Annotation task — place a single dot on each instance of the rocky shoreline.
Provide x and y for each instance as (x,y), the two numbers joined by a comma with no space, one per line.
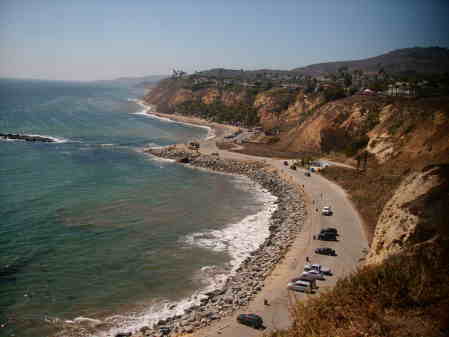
(286,222)
(28,138)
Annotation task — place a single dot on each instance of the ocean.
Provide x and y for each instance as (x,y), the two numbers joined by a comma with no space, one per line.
(93,232)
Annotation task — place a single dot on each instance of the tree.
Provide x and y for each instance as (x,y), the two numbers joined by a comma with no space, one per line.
(348,80)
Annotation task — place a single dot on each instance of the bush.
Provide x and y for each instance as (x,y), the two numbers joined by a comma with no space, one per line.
(356,145)
(334,93)
(406,295)
(218,112)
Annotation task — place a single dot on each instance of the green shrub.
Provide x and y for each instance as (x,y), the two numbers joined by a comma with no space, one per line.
(356,145)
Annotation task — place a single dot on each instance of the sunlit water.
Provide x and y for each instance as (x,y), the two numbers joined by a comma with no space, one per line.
(91,227)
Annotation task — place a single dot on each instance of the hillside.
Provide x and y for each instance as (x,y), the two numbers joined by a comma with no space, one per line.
(388,127)
(402,287)
(141,81)
(419,60)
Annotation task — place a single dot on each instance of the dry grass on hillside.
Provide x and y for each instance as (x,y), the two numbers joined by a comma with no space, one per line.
(407,295)
(369,190)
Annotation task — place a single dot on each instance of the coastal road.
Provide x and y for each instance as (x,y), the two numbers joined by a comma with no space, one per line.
(350,248)
(318,192)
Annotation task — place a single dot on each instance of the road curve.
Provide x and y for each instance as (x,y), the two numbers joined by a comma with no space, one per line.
(351,246)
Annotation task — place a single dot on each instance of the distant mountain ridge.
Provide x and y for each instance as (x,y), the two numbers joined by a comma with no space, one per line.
(417,59)
(135,81)
(422,60)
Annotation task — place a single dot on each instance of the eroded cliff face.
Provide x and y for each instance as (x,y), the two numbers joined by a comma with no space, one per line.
(331,126)
(169,94)
(283,108)
(414,215)
(388,128)
(411,130)
(276,108)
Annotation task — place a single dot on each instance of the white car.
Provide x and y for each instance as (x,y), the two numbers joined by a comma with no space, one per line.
(304,288)
(326,210)
(318,275)
(314,274)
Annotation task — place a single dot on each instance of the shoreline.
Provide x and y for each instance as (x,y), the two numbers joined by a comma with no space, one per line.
(265,273)
(247,281)
(217,130)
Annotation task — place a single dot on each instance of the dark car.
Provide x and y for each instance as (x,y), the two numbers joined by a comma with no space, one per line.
(252,320)
(164,330)
(330,230)
(325,251)
(326,236)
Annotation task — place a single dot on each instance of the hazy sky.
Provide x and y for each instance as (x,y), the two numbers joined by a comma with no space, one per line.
(89,39)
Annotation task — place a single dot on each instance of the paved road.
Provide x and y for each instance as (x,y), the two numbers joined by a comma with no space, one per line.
(350,248)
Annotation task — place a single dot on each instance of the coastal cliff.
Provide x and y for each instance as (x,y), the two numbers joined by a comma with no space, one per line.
(271,108)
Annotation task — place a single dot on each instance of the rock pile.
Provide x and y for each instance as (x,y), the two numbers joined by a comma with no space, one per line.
(249,278)
(27,138)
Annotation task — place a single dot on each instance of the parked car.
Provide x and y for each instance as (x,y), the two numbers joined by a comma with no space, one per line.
(326,236)
(164,330)
(318,274)
(305,278)
(303,287)
(330,230)
(252,320)
(325,251)
(315,275)
(326,210)
(310,266)
(307,174)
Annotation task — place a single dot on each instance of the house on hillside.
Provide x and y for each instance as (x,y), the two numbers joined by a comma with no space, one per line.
(401,89)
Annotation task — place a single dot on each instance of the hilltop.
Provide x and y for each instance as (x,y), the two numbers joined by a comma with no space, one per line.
(415,60)
(419,60)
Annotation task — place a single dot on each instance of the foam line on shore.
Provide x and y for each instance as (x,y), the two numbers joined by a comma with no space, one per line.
(239,240)
(148,111)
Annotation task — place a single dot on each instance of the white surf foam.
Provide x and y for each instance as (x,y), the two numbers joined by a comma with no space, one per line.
(147,112)
(238,240)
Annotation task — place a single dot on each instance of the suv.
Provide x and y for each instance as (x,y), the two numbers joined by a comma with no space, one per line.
(252,320)
(325,251)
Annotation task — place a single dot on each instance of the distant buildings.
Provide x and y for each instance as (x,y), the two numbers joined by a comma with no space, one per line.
(401,89)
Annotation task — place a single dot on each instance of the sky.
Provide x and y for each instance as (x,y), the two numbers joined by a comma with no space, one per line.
(106,39)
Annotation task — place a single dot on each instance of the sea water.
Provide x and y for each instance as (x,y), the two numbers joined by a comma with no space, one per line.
(93,231)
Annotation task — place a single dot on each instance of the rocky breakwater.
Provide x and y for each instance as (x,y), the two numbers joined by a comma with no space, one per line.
(27,138)
(248,279)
